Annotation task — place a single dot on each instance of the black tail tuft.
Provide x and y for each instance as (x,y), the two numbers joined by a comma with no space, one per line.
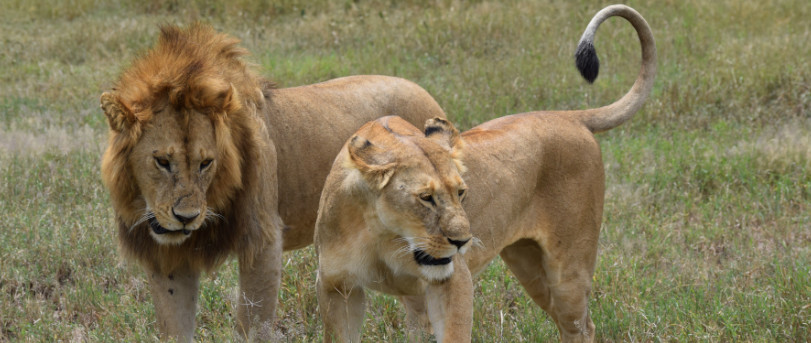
(587,61)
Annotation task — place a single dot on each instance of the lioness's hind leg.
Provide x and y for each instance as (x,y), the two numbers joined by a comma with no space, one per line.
(561,289)
(570,306)
(524,259)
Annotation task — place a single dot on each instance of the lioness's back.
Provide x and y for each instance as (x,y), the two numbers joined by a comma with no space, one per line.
(315,120)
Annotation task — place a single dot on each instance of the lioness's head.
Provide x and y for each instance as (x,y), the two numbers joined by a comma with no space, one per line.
(416,186)
(174,153)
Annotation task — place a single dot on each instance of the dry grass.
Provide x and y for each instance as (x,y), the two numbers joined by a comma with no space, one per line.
(707,229)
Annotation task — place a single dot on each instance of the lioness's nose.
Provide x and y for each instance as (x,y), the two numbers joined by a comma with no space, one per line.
(458,244)
(184,217)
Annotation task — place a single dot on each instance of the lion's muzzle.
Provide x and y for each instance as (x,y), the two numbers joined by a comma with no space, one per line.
(160,230)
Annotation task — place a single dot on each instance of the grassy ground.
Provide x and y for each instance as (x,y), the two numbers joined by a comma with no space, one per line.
(707,229)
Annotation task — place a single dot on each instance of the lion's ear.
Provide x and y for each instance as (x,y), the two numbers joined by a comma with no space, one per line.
(216,94)
(119,117)
(373,162)
(228,99)
(443,132)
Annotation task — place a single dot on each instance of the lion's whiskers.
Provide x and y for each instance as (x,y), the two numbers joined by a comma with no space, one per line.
(148,214)
(212,216)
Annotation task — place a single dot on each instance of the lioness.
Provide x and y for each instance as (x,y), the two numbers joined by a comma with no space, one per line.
(400,215)
(206,159)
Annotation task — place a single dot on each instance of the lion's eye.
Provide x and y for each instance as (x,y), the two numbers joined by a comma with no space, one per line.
(428,197)
(461,193)
(205,164)
(163,163)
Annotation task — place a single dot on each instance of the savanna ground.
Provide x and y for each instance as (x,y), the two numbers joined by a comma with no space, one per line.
(707,230)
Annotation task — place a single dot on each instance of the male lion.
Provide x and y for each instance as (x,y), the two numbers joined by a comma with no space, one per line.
(397,215)
(206,159)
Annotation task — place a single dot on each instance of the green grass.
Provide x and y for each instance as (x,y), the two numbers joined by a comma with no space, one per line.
(707,225)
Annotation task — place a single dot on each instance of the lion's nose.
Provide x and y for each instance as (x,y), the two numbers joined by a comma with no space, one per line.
(458,244)
(184,217)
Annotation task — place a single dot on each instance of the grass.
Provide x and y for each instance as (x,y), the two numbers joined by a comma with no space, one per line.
(707,223)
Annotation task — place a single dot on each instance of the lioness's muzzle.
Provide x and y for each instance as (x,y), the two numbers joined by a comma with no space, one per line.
(425,259)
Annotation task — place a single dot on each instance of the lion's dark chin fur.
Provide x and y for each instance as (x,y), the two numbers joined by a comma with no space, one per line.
(201,251)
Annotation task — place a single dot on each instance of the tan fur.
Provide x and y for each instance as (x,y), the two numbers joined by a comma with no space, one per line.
(206,160)
(392,192)
(535,197)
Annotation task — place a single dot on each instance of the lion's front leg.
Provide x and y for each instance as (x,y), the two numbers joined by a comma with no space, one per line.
(450,305)
(175,296)
(259,282)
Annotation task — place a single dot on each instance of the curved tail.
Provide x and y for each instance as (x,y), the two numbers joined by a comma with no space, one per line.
(610,116)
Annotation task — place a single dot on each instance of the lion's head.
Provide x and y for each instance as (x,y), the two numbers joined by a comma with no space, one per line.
(183,126)
(173,164)
(414,181)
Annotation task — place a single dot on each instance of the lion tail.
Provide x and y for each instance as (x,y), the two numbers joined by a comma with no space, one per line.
(610,116)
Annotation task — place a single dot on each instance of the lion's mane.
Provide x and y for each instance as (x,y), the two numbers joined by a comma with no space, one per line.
(201,70)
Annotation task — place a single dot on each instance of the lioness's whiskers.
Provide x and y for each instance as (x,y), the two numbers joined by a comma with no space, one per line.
(476,242)
(401,239)
(402,251)
(422,245)
(405,249)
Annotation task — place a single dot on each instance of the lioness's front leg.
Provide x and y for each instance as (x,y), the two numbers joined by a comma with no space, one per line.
(342,310)
(259,281)
(175,296)
(450,305)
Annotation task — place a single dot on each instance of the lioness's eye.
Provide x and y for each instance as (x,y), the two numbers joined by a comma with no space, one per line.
(461,193)
(427,197)
(205,164)
(163,163)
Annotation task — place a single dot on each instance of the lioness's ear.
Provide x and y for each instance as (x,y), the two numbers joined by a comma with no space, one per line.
(119,117)
(372,161)
(443,132)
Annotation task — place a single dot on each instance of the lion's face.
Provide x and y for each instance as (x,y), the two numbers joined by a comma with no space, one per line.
(174,164)
(420,192)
